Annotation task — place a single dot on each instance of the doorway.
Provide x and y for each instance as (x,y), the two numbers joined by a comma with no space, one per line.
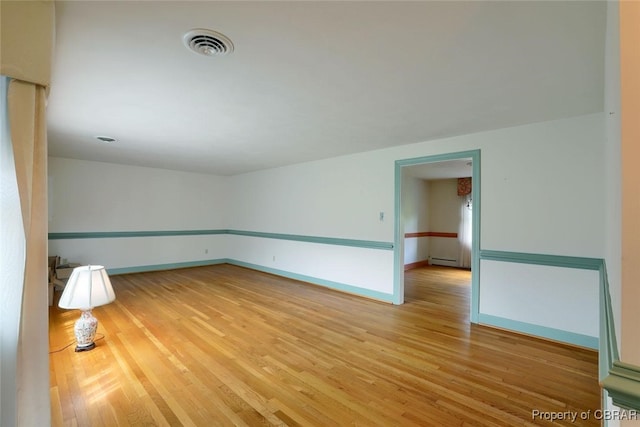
(443,165)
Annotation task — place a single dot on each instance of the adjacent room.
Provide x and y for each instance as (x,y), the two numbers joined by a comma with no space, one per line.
(316,213)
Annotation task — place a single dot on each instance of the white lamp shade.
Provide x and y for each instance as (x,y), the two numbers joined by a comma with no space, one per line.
(89,286)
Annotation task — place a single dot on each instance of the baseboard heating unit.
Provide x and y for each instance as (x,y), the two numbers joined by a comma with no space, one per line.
(443,261)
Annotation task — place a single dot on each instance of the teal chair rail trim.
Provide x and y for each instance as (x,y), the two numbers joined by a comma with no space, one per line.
(367,244)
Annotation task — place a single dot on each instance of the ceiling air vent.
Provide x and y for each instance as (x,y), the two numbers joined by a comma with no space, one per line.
(208,42)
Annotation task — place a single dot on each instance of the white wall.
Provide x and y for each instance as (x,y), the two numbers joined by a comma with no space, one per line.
(552,297)
(542,192)
(101,197)
(415,211)
(444,206)
(613,166)
(358,270)
(93,196)
(136,252)
(444,217)
(339,197)
(548,197)
(541,184)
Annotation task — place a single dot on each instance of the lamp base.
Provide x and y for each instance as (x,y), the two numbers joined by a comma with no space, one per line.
(85,347)
(85,330)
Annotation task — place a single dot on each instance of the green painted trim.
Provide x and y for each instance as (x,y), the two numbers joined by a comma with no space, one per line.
(120,234)
(609,346)
(169,266)
(541,331)
(398,236)
(540,259)
(316,281)
(475,243)
(398,263)
(434,158)
(367,244)
(620,380)
(583,263)
(623,385)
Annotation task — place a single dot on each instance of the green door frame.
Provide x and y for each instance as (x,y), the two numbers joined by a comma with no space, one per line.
(398,261)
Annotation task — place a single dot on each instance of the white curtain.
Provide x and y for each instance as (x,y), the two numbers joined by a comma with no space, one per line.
(24,345)
(26,43)
(29,142)
(465,231)
(12,257)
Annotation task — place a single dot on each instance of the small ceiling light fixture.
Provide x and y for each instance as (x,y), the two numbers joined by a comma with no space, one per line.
(207,42)
(105,139)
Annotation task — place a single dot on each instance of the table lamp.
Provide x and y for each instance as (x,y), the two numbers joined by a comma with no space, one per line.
(88,287)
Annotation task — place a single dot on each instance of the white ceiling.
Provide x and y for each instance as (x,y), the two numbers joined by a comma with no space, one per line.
(312,80)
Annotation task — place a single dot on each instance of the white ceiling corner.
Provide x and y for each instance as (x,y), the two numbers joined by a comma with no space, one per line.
(311,80)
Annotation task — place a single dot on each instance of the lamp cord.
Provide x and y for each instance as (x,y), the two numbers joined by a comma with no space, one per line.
(73,342)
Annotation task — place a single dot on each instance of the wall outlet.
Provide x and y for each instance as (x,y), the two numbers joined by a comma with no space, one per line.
(274,258)
(381,216)
(206,251)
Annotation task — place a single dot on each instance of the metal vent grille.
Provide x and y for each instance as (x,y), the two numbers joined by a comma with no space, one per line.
(208,42)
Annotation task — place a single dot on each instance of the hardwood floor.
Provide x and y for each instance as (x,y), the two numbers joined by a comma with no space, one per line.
(223,345)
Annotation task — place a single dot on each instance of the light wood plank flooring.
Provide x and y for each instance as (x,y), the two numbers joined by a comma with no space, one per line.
(223,345)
